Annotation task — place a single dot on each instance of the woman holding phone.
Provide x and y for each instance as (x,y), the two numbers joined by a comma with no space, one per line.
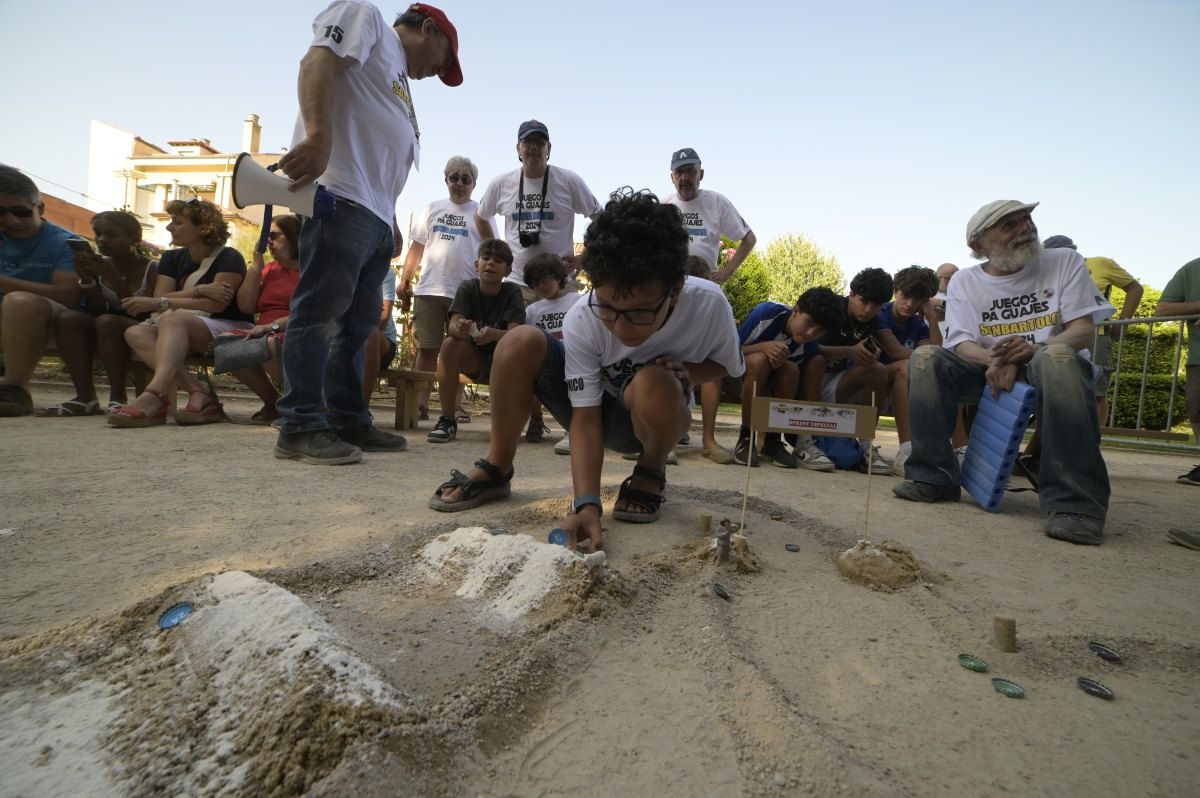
(192,302)
(121,270)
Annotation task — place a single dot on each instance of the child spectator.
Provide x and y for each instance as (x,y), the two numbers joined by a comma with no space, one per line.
(623,373)
(483,311)
(854,374)
(780,346)
(547,275)
(904,324)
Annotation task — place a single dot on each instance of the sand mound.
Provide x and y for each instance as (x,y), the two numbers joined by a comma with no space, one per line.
(252,694)
(885,567)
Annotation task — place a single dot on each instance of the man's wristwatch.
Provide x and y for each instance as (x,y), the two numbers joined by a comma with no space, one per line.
(164,303)
(584,500)
(275,328)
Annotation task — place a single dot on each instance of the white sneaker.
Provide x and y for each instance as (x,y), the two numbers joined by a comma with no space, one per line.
(901,458)
(563,446)
(879,463)
(812,458)
(960,453)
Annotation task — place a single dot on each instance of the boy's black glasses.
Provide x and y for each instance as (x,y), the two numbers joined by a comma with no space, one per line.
(638,316)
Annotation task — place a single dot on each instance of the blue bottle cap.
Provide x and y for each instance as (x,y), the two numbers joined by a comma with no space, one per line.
(174,616)
(558,536)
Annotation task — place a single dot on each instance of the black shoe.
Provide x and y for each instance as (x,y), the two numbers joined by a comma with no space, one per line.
(743,450)
(926,492)
(1190,478)
(15,401)
(444,431)
(372,439)
(1086,530)
(322,447)
(775,452)
(537,430)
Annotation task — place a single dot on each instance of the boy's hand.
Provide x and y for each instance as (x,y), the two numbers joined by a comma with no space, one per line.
(583,530)
(775,351)
(862,354)
(928,311)
(680,371)
(460,328)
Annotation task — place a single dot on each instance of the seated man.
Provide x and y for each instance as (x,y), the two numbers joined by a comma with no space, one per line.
(905,323)
(37,282)
(484,310)
(621,377)
(853,373)
(780,346)
(1025,314)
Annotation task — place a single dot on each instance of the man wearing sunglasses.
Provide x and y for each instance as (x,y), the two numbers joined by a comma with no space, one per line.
(357,134)
(538,203)
(37,282)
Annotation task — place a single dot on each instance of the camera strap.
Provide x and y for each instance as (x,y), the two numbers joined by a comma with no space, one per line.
(521,196)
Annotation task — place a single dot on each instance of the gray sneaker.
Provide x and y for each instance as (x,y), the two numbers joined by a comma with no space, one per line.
(1086,530)
(372,439)
(1184,537)
(322,447)
(926,492)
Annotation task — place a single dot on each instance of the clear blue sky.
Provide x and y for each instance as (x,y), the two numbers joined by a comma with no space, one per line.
(875,128)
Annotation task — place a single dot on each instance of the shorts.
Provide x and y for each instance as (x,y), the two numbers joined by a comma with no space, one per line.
(829,386)
(1102,359)
(551,389)
(430,316)
(388,355)
(218,326)
(484,374)
(1193,395)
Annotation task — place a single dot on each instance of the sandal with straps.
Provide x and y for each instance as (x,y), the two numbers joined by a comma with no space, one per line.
(643,499)
(71,408)
(475,492)
(131,416)
(209,414)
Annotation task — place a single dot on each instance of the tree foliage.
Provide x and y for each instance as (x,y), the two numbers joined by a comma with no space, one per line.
(795,264)
(750,285)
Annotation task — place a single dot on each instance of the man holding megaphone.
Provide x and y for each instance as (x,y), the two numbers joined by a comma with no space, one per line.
(357,134)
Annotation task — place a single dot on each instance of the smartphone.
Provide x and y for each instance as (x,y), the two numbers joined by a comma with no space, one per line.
(80,246)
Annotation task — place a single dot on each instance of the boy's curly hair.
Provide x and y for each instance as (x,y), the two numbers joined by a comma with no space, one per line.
(916,282)
(545,265)
(873,285)
(636,240)
(214,230)
(827,309)
(498,249)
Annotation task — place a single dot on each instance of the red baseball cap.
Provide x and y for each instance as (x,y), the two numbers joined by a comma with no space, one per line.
(453,76)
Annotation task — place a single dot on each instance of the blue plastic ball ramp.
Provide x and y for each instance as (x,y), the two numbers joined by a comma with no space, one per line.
(995,443)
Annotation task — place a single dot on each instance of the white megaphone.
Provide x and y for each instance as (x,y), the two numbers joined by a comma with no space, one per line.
(254,184)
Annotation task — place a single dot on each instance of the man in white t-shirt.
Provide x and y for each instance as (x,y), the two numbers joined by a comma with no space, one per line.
(539,204)
(445,240)
(1025,313)
(357,135)
(707,216)
(622,376)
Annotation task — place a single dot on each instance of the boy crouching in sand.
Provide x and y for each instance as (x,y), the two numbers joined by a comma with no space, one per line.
(622,377)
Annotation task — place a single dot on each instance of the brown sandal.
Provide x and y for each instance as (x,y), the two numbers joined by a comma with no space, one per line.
(209,414)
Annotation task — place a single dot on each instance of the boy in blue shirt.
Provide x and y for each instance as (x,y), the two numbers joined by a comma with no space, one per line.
(780,347)
(903,326)
(37,282)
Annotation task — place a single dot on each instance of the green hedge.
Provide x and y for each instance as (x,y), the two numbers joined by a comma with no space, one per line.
(1154,411)
(1162,349)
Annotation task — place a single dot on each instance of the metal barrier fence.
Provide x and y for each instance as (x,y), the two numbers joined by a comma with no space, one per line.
(1158,439)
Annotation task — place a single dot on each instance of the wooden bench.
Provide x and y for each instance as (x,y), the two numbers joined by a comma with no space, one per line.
(407,383)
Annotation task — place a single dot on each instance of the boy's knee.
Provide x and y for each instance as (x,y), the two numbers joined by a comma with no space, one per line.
(521,343)
(26,306)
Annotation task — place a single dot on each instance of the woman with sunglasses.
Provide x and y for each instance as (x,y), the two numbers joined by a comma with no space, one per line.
(267,293)
(192,302)
(444,242)
(121,270)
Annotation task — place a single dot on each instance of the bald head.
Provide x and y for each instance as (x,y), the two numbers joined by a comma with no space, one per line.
(944,273)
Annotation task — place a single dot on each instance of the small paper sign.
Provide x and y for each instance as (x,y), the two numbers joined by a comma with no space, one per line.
(813,418)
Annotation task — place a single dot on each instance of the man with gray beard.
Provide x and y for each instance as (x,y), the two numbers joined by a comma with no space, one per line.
(1024,313)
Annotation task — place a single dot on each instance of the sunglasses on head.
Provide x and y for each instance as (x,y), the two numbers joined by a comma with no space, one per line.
(19,211)
(466,180)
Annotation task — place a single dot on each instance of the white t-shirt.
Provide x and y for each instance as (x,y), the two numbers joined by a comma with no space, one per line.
(451,241)
(375,132)
(566,195)
(1037,302)
(548,314)
(699,328)
(708,217)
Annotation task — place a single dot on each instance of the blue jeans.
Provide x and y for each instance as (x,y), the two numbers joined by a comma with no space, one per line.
(1073,477)
(336,306)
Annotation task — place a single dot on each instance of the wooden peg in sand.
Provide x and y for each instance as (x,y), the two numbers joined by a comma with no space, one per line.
(1004,634)
(705,523)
